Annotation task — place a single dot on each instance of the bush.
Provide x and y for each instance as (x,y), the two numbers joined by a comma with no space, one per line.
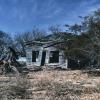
(20,90)
(17,90)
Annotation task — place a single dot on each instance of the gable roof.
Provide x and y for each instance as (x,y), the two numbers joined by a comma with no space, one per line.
(51,40)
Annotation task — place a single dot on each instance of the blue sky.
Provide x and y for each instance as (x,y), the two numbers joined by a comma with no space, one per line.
(23,15)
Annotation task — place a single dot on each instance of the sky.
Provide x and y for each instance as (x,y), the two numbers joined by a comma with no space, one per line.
(24,15)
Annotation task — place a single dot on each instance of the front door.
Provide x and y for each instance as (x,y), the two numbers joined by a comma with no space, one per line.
(43,58)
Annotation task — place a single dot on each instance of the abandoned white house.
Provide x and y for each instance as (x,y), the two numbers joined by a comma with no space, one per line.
(45,54)
(52,51)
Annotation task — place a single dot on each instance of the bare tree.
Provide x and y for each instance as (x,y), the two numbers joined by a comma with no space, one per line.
(20,38)
(5,41)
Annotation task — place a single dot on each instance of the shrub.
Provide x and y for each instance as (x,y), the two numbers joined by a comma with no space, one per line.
(20,90)
(17,90)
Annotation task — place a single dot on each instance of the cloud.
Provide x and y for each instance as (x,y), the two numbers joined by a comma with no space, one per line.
(53,13)
(17,14)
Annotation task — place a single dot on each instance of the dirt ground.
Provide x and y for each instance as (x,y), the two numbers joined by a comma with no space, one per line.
(61,84)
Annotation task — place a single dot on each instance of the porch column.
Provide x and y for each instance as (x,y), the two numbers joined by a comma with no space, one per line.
(47,57)
(40,57)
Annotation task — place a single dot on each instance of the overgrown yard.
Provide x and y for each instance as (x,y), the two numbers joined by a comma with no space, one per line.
(65,85)
(56,85)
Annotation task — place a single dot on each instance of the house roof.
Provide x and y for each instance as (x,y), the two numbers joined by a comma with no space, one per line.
(51,40)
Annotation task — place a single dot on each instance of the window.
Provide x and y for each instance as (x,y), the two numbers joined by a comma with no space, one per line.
(54,57)
(34,55)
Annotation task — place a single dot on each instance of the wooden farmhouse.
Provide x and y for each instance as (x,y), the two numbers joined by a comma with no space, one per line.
(45,53)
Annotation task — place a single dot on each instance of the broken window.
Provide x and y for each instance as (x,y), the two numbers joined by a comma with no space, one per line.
(34,55)
(54,57)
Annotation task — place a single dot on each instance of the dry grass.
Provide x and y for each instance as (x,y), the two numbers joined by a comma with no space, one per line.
(11,89)
(64,85)
(57,85)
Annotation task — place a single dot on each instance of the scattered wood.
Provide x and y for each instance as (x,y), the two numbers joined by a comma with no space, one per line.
(9,57)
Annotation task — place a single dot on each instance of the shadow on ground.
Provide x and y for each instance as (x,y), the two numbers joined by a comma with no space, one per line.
(93,72)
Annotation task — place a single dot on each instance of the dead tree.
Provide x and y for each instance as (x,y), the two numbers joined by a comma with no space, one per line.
(8,58)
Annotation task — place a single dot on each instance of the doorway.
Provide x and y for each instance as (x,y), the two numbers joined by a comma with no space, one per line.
(54,57)
(43,58)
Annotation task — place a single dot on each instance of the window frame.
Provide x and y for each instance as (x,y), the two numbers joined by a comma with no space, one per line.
(54,56)
(36,54)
